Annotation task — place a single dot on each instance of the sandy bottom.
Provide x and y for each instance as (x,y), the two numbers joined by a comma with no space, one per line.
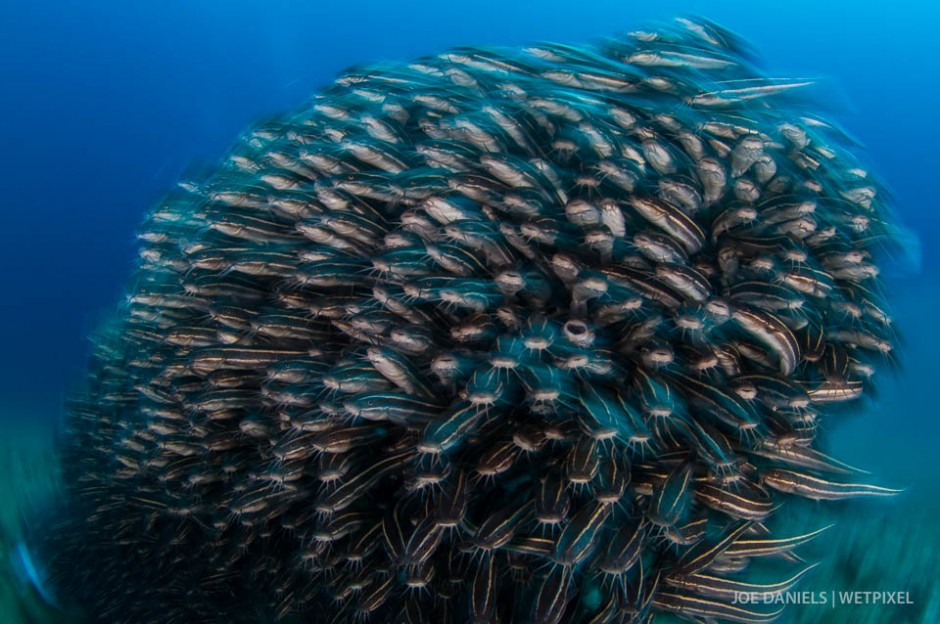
(28,483)
(875,546)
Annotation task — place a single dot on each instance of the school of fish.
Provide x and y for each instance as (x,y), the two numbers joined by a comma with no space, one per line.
(540,335)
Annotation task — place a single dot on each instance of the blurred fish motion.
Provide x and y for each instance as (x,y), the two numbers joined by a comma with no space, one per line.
(540,335)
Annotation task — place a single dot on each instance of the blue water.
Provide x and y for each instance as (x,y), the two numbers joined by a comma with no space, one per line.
(104,105)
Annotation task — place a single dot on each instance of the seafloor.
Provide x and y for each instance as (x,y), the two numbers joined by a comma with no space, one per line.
(873,545)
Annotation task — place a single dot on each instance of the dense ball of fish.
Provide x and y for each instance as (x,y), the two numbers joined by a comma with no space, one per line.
(493,336)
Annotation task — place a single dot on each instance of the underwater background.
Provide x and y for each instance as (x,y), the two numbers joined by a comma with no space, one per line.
(106,105)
